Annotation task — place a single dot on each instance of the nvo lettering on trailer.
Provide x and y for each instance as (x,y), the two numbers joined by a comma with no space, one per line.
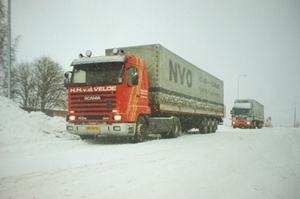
(185,75)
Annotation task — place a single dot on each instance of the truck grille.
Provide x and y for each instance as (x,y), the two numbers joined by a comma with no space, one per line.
(96,102)
(241,118)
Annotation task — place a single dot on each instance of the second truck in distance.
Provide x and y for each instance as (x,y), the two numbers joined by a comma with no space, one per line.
(247,113)
(140,90)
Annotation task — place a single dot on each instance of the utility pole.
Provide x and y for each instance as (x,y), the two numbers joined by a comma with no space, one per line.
(9,54)
(295,116)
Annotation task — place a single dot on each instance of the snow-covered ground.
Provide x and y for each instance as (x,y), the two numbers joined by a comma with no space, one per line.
(40,160)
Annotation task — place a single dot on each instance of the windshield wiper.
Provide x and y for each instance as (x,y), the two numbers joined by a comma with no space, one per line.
(121,71)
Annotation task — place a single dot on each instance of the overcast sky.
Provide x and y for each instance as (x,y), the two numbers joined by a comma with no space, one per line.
(258,38)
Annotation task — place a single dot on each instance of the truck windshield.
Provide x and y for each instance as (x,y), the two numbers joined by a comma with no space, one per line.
(240,111)
(241,108)
(98,74)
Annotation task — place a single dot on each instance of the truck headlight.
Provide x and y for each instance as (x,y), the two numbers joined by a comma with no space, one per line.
(117,117)
(72,117)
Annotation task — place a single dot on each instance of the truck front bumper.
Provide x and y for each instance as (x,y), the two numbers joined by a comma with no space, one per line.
(102,129)
(241,124)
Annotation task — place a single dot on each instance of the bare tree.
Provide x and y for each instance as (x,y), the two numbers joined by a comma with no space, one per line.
(25,86)
(39,85)
(49,83)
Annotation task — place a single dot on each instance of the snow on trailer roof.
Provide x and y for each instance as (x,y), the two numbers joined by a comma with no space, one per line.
(242,106)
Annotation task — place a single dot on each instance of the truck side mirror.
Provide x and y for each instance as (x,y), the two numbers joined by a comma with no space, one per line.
(66,82)
(67,74)
(67,79)
(132,76)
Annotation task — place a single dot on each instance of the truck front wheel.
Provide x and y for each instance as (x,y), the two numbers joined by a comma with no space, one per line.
(141,130)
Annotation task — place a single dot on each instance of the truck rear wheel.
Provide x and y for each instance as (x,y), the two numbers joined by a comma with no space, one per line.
(175,131)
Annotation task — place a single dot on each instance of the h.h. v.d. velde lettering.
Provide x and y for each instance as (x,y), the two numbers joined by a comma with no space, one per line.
(92,89)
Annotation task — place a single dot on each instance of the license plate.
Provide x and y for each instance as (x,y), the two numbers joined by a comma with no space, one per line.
(92,128)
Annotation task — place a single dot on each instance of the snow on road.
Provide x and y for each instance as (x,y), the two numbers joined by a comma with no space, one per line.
(40,160)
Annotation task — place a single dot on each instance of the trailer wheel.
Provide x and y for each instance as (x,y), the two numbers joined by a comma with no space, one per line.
(203,126)
(215,125)
(141,130)
(209,125)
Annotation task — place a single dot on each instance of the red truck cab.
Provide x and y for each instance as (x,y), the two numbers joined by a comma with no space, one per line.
(106,95)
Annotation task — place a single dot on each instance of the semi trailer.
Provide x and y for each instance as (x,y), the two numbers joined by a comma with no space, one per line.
(247,113)
(140,90)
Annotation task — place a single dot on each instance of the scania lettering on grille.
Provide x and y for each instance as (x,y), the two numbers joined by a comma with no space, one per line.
(93,89)
(91,98)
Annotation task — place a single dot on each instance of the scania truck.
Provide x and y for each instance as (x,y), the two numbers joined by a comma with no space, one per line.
(140,90)
(247,113)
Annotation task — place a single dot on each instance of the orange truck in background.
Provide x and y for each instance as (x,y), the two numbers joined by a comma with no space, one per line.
(141,90)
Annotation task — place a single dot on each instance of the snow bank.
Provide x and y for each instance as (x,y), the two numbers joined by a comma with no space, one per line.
(231,163)
(18,126)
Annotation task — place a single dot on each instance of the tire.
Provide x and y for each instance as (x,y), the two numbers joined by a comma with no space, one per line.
(215,125)
(209,125)
(203,126)
(140,130)
(176,131)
